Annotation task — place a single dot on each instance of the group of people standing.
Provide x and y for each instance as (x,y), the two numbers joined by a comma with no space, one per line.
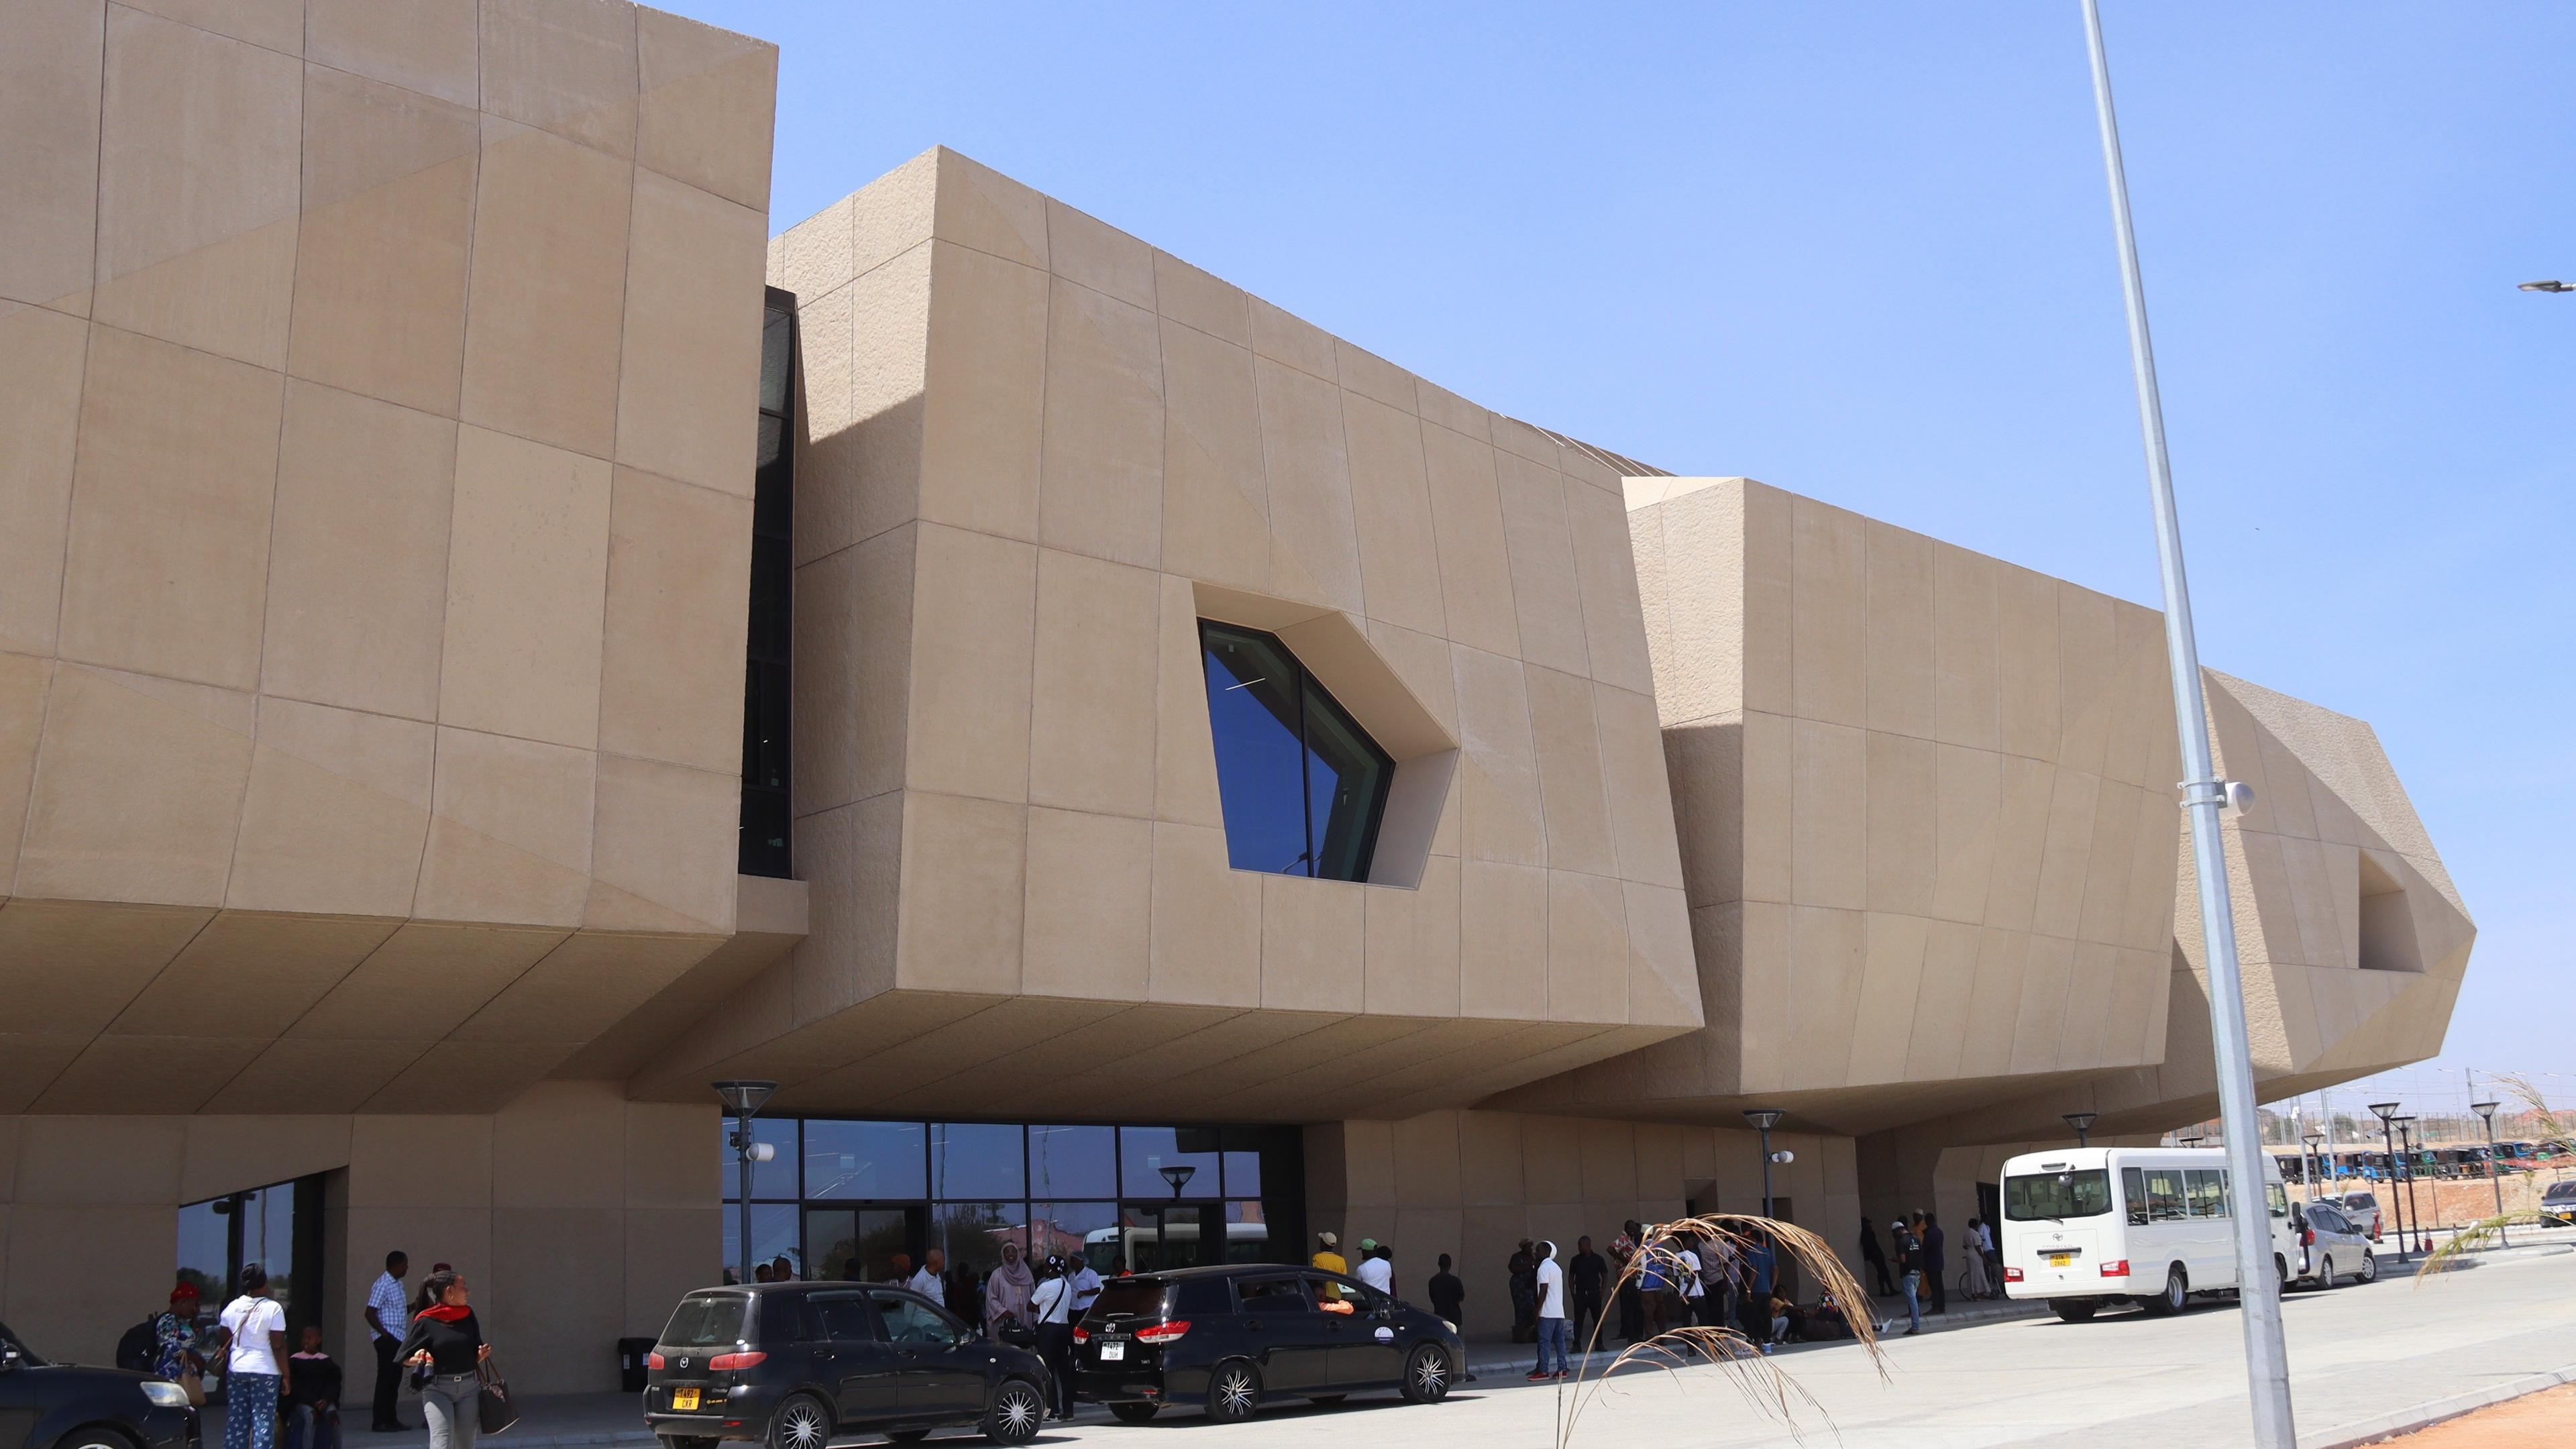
(1919,1245)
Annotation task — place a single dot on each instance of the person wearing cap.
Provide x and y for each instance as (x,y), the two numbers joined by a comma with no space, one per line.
(1377,1265)
(1909,1270)
(1328,1256)
(1051,1313)
(174,1343)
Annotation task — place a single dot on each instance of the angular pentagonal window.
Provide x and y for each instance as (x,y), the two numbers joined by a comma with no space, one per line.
(1302,784)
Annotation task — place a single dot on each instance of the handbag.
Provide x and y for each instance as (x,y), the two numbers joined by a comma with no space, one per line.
(493,1408)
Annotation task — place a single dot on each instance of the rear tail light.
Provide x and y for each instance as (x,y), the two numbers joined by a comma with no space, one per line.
(653,1360)
(1081,1336)
(2012,1275)
(1163,1332)
(2307,1237)
(2116,1268)
(724,1361)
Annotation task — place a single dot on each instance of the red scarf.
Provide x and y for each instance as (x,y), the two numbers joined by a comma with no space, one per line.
(445,1312)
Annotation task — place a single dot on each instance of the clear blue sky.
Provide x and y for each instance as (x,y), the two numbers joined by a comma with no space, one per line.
(1862,252)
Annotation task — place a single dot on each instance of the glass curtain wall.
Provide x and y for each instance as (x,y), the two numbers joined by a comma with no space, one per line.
(864,1200)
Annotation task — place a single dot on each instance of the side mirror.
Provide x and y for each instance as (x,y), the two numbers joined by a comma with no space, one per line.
(11,1357)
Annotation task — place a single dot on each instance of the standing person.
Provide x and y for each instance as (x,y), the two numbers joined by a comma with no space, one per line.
(1985,1235)
(1761,1276)
(1523,1273)
(1086,1286)
(1449,1296)
(1875,1257)
(1632,1304)
(1378,1269)
(446,1340)
(927,1282)
(174,1343)
(1006,1293)
(1936,1260)
(255,1366)
(1051,1305)
(1978,1286)
(1548,1280)
(386,1323)
(1328,1254)
(312,1395)
(1908,1272)
(1590,1271)
(1719,1268)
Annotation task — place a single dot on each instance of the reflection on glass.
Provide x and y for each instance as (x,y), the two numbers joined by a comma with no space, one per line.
(976,1159)
(1168,1162)
(205,1252)
(774,1178)
(864,1160)
(1068,1229)
(1302,786)
(1070,1162)
(1247,1232)
(1154,1236)
(777,354)
(773,1231)
(872,1245)
(268,1239)
(972,1233)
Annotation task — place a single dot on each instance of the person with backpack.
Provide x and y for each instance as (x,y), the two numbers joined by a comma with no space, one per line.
(165,1345)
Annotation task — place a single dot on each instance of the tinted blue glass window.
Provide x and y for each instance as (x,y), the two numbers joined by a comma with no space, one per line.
(1302,785)
(977,1160)
(1073,1162)
(774,1178)
(864,1160)
(1144,1154)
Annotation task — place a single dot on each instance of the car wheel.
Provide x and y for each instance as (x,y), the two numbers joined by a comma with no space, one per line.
(2075,1310)
(1234,1393)
(2325,1271)
(1426,1375)
(96,1436)
(1132,1411)
(1016,1414)
(800,1423)
(2177,1292)
(2369,1268)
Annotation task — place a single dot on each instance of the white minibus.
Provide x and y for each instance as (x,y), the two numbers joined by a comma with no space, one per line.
(2089,1226)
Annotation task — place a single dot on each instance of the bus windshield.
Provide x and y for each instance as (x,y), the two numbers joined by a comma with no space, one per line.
(2040,1196)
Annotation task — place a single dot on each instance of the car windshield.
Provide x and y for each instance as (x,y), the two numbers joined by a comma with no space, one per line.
(2560,1191)
(706,1322)
(1129,1298)
(2041,1195)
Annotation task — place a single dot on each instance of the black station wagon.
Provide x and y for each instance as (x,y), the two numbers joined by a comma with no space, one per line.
(793,1364)
(1228,1338)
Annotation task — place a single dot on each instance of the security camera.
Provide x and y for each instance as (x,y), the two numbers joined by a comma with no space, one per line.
(1784,1157)
(761,1151)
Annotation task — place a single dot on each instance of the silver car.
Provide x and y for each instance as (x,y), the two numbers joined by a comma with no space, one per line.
(2331,1247)
(2361,1209)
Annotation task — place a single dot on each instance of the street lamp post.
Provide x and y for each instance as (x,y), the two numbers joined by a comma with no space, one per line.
(2082,1122)
(1763,1120)
(2267,1360)
(2316,1162)
(2406,1171)
(744,1099)
(2486,1112)
(2386,1112)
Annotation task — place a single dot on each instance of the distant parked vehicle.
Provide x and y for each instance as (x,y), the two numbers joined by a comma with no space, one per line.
(2330,1247)
(2362,1209)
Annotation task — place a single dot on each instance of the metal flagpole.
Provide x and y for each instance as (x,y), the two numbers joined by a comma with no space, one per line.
(2267,1364)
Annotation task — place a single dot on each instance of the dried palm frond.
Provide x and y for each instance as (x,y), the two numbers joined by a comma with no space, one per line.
(2555,1134)
(1754,1375)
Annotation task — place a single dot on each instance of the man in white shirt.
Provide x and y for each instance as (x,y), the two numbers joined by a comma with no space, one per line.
(1378,1269)
(928,1282)
(254,1364)
(1051,1308)
(388,1320)
(1551,1313)
(1086,1287)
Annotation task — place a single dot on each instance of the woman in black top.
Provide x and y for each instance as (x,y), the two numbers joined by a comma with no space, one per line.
(447,1344)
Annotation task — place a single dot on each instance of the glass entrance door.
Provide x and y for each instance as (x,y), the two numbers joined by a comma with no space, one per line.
(861,1245)
(279,1227)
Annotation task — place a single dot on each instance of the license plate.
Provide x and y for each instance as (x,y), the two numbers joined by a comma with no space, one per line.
(683,1400)
(2060,1260)
(1113,1352)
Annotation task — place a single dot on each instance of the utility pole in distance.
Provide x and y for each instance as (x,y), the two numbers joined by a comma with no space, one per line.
(2267,1360)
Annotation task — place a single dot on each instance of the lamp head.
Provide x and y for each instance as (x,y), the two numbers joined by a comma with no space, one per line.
(1764,1118)
(2486,1110)
(2384,1110)
(2082,1121)
(1179,1174)
(744,1097)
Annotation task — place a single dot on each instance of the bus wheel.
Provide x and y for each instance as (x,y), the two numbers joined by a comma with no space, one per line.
(2177,1289)
(2075,1310)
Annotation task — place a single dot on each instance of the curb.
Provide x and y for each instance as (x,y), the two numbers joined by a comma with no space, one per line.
(2424,1416)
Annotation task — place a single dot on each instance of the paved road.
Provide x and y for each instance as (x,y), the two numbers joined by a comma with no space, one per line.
(2356,1355)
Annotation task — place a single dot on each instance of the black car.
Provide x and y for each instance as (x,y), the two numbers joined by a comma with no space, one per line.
(1231,1337)
(73,1406)
(793,1364)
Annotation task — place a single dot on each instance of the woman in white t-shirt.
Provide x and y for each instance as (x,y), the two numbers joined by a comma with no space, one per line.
(254,1364)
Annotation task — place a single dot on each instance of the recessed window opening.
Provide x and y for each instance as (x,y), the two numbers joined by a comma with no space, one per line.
(765,813)
(1303,787)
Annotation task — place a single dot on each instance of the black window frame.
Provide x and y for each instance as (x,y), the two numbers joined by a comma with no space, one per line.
(1308,690)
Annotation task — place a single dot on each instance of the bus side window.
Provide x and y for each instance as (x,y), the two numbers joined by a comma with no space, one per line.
(2164,1194)
(2133,1186)
(2206,1192)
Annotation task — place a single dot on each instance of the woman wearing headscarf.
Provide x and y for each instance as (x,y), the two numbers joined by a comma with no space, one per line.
(446,1340)
(1006,1293)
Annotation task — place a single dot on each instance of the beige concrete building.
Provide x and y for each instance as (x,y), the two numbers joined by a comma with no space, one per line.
(1148,778)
